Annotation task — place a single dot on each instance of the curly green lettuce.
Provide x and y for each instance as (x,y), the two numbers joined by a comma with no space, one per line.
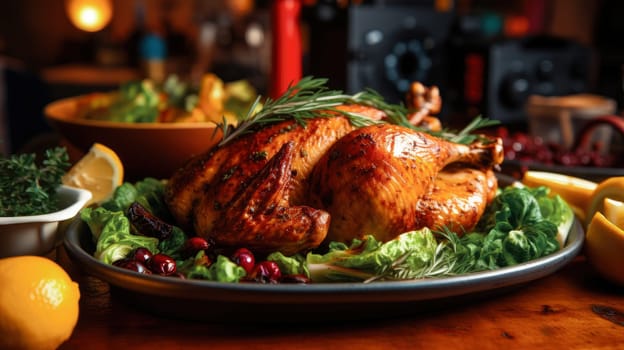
(111,232)
(521,224)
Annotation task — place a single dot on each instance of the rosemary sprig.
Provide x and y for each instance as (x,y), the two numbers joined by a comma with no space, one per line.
(466,135)
(441,264)
(452,257)
(311,98)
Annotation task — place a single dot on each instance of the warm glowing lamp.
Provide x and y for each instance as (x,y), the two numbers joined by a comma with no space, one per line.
(89,15)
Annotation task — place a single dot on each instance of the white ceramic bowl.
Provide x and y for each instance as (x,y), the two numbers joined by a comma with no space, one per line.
(39,234)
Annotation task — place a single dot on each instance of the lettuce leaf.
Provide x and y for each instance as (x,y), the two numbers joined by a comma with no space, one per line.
(408,256)
(555,210)
(520,224)
(221,270)
(173,245)
(111,232)
(147,192)
(516,229)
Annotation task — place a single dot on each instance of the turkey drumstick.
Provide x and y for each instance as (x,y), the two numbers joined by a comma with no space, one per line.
(371,180)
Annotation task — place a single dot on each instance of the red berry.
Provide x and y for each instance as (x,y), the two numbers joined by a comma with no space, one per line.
(266,272)
(193,245)
(245,259)
(162,264)
(131,264)
(142,255)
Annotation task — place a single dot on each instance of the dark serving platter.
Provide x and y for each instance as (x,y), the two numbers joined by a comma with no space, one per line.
(195,299)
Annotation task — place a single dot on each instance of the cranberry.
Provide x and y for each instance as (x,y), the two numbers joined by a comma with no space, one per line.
(193,245)
(142,255)
(518,146)
(245,259)
(266,272)
(569,159)
(544,156)
(131,264)
(584,158)
(602,160)
(162,264)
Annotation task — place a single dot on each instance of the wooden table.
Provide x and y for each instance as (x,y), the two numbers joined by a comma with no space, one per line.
(551,313)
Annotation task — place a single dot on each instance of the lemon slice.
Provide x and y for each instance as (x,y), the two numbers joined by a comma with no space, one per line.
(575,191)
(612,188)
(614,211)
(604,244)
(100,171)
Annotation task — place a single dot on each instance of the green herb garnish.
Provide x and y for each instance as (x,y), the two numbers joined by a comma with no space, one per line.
(522,224)
(311,98)
(29,188)
(466,136)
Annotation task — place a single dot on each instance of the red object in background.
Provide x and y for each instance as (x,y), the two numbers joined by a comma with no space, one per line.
(516,26)
(536,13)
(473,78)
(287,52)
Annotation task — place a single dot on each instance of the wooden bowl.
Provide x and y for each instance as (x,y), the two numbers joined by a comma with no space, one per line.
(145,149)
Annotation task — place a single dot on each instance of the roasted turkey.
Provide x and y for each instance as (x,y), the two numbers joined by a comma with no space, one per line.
(253,192)
(387,179)
(290,187)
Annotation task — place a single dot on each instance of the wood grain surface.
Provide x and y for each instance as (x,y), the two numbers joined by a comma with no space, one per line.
(570,309)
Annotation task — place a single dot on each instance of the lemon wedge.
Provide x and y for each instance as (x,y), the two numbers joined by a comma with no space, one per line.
(612,188)
(601,207)
(99,171)
(614,211)
(604,248)
(575,191)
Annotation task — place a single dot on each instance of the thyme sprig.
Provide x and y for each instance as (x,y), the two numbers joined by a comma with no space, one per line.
(28,187)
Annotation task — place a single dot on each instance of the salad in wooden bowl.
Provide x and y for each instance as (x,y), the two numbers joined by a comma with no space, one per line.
(153,128)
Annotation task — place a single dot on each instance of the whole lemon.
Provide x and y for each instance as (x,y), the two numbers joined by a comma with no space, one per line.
(38,303)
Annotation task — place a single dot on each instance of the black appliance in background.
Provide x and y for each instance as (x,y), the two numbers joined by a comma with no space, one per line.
(495,79)
(607,40)
(381,45)
(385,45)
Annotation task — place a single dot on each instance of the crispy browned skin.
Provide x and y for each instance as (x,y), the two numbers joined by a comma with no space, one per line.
(262,216)
(288,188)
(201,194)
(457,199)
(372,179)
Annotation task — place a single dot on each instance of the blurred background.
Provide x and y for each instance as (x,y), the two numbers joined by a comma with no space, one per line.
(487,57)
